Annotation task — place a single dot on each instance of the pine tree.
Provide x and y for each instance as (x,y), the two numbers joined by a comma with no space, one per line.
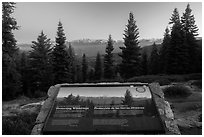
(98,67)
(164,51)
(91,74)
(128,98)
(79,73)
(10,76)
(76,100)
(188,23)
(84,68)
(190,32)
(72,66)
(154,60)
(40,63)
(8,25)
(130,65)
(177,52)
(69,99)
(108,60)
(24,71)
(144,63)
(112,102)
(60,58)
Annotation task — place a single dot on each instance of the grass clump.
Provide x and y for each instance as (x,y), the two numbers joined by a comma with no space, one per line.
(176,91)
(165,79)
(197,83)
(21,124)
(162,80)
(200,118)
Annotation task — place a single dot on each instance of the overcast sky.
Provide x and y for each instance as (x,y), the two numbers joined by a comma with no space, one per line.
(96,20)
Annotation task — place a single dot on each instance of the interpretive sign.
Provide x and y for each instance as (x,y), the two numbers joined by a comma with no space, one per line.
(104,109)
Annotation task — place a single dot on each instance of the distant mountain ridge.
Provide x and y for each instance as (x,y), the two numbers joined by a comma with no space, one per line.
(90,47)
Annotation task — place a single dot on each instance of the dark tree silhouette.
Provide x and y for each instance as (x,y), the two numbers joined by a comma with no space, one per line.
(98,67)
(190,31)
(128,98)
(91,74)
(60,58)
(24,71)
(72,63)
(69,100)
(164,51)
(154,60)
(108,60)
(79,73)
(84,68)
(177,52)
(8,25)
(40,64)
(130,65)
(10,75)
(112,103)
(144,64)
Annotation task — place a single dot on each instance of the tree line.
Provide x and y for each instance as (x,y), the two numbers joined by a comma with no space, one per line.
(179,52)
(32,73)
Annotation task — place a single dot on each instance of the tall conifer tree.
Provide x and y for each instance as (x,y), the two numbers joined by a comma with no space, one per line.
(8,25)
(72,66)
(164,50)
(144,63)
(177,54)
(91,74)
(79,73)
(130,65)
(60,58)
(108,60)
(190,32)
(84,68)
(24,70)
(10,75)
(40,63)
(154,60)
(98,67)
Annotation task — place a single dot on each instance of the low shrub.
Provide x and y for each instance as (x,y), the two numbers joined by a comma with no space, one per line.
(195,76)
(175,78)
(165,79)
(176,91)
(117,79)
(39,94)
(200,118)
(162,80)
(197,83)
(190,106)
(21,124)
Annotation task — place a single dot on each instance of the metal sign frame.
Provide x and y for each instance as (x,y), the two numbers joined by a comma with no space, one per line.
(160,130)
